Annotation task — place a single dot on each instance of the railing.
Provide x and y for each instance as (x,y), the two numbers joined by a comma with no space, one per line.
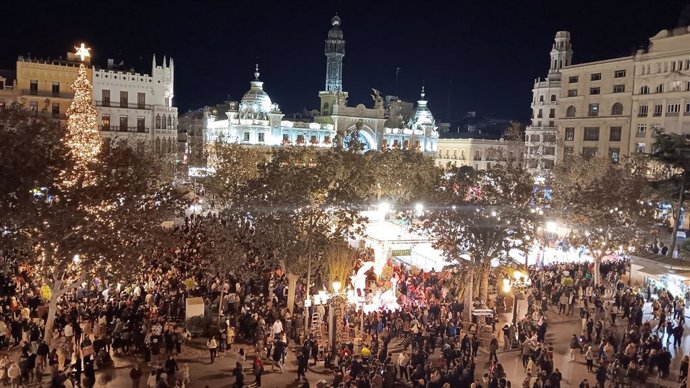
(118,104)
(671,114)
(46,93)
(111,128)
(642,114)
(641,134)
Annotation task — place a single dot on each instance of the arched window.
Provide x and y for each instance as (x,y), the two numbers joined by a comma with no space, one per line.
(541,98)
(617,109)
(325,106)
(158,121)
(164,123)
(644,90)
(570,112)
(170,122)
(553,98)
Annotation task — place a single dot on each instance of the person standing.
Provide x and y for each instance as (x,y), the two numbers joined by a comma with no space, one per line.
(239,375)
(258,370)
(493,348)
(135,375)
(574,344)
(212,345)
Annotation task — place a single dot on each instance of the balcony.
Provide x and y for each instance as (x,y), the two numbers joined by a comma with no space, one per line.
(641,134)
(124,129)
(671,114)
(46,93)
(117,104)
(642,114)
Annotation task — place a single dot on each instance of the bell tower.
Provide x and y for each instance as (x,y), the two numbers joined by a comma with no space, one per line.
(335,51)
(561,53)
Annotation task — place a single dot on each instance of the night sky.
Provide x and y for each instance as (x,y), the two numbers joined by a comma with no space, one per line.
(492,50)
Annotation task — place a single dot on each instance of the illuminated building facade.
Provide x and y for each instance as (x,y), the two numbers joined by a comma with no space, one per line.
(137,109)
(8,88)
(257,120)
(541,135)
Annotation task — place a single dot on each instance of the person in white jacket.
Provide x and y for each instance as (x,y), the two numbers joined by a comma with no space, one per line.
(14,374)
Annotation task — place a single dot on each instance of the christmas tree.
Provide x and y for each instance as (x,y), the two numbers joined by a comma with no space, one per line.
(82,138)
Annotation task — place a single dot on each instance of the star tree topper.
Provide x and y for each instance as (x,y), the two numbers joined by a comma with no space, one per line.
(82,52)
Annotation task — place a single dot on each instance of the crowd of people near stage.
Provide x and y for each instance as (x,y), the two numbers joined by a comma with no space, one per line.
(425,343)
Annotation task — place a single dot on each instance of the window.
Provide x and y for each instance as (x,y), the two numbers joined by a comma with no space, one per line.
(618,88)
(55,110)
(615,134)
(548,164)
(124,97)
(170,126)
(619,74)
(553,98)
(33,87)
(589,152)
(593,109)
(327,140)
(105,122)
(33,106)
(141,100)
(286,138)
(617,109)
(313,140)
(569,134)
(659,88)
(688,87)
(568,151)
(158,121)
(164,123)
(141,124)
(639,148)
(573,79)
(570,112)
(591,134)
(572,92)
(672,109)
(477,156)
(658,109)
(300,139)
(541,98)
(595,77)
(245,136)
(551,124)
(535,138)
(643,111)
(550,151)
(552,113)
(56,89)
(687,109)
(262,137)
(614,154)
(540,115)
(105,97)
(644,90)
(124,123)
(594,91)
(549,138)
(641,130)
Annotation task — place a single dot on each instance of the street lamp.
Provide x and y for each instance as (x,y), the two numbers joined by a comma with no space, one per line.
(419,209)
(516,286)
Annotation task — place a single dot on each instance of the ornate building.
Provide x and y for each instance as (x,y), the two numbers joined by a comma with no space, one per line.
(541,135)
(256,120)
(137,109)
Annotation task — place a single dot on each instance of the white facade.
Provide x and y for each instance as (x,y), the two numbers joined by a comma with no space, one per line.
(137,109)
(257,120)
(661,91)
(541,135)
(479,154)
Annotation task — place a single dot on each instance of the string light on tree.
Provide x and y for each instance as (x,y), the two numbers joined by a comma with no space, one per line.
(82,138)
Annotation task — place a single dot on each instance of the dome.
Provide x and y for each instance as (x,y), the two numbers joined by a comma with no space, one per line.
(422,115)
(255,103)
(335,32)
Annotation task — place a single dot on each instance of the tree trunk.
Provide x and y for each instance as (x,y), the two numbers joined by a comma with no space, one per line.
(55,294)
(681,199)
(292,287)
(595,271)
(220,304)
(484,282)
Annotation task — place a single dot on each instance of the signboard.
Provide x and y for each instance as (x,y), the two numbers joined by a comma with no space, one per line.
(195,307)
(401,252)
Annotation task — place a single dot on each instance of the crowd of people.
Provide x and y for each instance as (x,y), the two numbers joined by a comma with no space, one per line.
(424,343)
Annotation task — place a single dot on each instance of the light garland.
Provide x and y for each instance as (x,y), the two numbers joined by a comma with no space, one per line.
(82,138)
